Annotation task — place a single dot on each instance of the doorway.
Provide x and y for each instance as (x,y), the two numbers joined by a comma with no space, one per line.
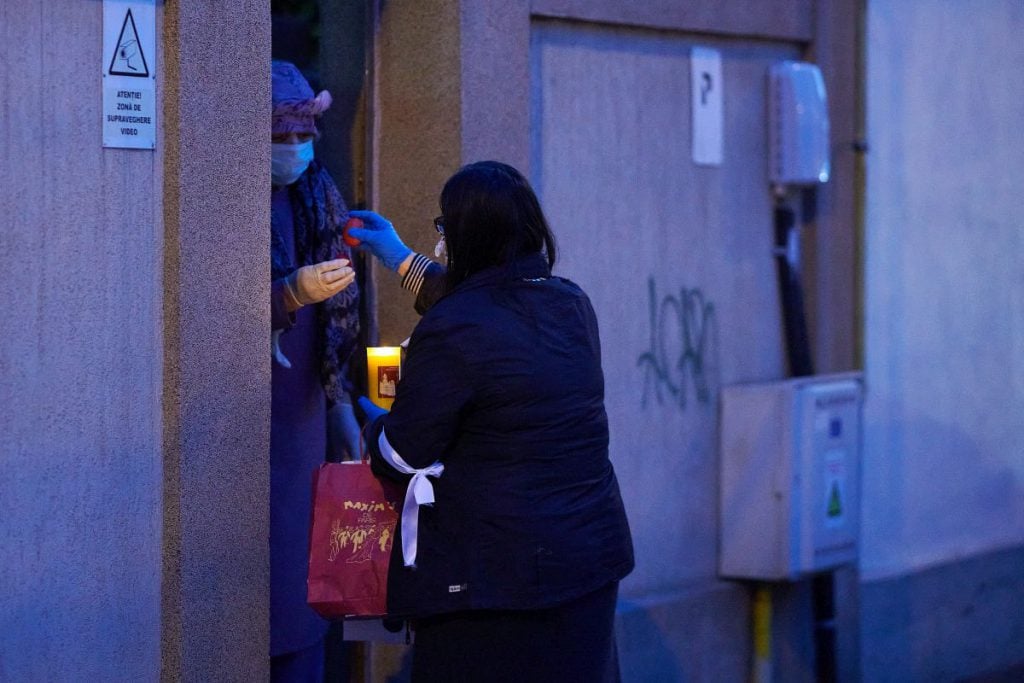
(330,42)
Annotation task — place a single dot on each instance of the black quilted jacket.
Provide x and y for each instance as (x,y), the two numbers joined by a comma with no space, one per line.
(502,383)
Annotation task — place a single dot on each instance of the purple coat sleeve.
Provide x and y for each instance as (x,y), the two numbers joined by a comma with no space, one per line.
(280,318)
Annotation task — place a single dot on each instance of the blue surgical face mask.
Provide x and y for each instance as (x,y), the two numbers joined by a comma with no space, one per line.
(289,161)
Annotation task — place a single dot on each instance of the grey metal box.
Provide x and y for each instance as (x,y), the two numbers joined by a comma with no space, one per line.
(789,501)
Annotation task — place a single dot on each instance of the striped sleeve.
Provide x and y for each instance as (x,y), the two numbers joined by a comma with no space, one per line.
(413,278)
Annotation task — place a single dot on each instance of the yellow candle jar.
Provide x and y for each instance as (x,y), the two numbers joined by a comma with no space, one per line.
(383,370)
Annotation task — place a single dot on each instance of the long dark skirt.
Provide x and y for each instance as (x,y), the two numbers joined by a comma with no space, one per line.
(570,642)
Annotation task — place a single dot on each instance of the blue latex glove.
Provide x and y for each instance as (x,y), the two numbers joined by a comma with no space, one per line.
(372,410)
(380,238)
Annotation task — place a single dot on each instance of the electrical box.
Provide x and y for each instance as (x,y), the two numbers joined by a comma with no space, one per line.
(798,142)
(790,477)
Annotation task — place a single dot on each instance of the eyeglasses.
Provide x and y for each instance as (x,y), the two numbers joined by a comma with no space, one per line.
(439,224)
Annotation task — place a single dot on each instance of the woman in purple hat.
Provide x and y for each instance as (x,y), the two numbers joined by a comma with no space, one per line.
(315,325)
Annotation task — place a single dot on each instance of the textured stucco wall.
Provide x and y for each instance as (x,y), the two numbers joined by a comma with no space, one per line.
(135,361)
(676,259)
(943,515)
(416,135)
(216,399)
(80,363)
(495,109)
(944,461)
(962,620)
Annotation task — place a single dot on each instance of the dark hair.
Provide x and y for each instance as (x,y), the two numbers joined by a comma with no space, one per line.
(491,218)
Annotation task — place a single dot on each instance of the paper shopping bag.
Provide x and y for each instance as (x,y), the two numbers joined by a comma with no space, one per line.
(354,516)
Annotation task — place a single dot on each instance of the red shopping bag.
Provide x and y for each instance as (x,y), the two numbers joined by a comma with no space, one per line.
(354,517)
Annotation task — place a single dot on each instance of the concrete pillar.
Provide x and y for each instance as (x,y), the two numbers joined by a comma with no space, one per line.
(134,434)
(216,398)
(496,108)
(452,84)
(80,363)
(417,131)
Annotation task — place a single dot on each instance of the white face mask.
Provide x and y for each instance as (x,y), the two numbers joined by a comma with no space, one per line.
(441,250)
(289,161)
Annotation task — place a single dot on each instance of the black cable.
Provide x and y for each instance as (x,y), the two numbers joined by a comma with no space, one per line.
(798,345)
(823,596)
(798,353)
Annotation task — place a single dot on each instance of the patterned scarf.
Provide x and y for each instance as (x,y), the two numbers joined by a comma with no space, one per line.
(319,212)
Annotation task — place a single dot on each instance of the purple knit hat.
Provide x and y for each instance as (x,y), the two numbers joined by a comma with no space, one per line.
(295,109)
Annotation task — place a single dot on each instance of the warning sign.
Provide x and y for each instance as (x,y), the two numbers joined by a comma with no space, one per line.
(128,116)
(129,59)
(129,74)
(835,488)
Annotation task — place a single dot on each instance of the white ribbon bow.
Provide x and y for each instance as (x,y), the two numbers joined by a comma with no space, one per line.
(419,492)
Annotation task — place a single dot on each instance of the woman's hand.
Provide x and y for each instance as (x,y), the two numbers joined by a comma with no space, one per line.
(380,238)
(320,281)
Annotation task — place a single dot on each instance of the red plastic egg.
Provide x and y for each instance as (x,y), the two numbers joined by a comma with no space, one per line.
(351,223)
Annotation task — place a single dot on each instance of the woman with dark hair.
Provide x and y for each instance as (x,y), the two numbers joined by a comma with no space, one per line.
(512,572)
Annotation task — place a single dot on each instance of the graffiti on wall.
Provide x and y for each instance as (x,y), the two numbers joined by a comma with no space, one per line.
(680,343)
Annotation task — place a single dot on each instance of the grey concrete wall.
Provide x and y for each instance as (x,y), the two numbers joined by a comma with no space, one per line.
(676,259)
(135,359)
(944,464)
(417,77)
(961,620)
(80,363)
(495,37)
(216,395)
(694,633)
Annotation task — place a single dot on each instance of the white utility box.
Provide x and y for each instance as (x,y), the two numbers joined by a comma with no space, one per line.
(790,477)
(798,137)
